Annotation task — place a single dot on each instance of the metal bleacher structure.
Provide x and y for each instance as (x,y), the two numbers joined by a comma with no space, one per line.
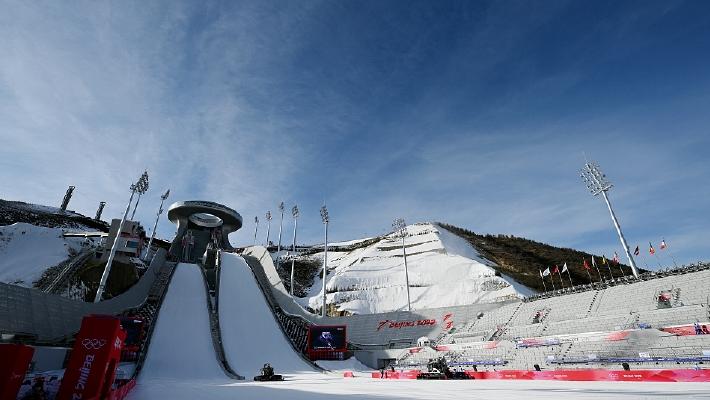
(593,326)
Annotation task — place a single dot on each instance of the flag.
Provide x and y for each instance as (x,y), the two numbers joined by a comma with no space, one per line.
(651,249)
(616,258)
(594,263)
(663,244)
(556,270)
(586,266)
(564,268)
(546,271)
(604,259)
(637,251)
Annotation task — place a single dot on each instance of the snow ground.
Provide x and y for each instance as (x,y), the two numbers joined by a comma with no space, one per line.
(444,270)
(26,251)
(351,364)
(332,386)
(250,334)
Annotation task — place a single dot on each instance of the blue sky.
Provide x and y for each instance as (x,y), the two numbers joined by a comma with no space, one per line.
(472,113)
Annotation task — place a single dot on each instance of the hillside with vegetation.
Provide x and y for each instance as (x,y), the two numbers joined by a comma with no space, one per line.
(522,258)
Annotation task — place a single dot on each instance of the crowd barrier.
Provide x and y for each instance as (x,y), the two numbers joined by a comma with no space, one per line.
(661,375)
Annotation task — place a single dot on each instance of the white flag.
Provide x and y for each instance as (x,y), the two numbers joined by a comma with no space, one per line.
(546,271)
(594,263)
(564,268)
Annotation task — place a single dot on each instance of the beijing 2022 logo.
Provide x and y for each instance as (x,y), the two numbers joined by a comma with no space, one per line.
(93,344)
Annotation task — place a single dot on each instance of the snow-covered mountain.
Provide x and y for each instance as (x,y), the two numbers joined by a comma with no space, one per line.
(26,251)
(444,270)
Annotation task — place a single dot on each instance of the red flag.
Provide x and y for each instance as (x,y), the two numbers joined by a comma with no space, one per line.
(586,266)
(651,249)
(556,270)
(663,244)
(637,251)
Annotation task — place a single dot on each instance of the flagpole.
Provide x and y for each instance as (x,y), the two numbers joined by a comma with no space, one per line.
(590,276)
(611,274)
(543,281)
(570,278)
(553,282)
(622,271)
(562,284)
(594,263)
(657,260)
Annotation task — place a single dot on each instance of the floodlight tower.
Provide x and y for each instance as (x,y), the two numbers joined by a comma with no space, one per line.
(268,227)
(256,228)
(157,217)
(281,225)
(67,198)
(325,219)
(400,230)
(597,183)
(100,210)
(141,186)
(145,189)
(295,213)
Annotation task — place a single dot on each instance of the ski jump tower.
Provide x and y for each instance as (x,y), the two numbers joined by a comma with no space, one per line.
(200,223)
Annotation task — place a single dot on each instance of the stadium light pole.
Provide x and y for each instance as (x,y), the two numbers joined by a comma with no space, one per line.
(295,213)
(268,227)
(597,183)
(400,230)
(281,225)
(141,186)
(145,175)
(325,218)
(256,228)
(155,226)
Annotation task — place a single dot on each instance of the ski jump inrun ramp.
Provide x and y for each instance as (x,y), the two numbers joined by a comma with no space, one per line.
(181,347)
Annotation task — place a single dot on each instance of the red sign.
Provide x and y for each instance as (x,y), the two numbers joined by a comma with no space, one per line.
(653,375)
(96,354)
(388,323)
(667,375)
(688,330)
(16,359)
(447,322)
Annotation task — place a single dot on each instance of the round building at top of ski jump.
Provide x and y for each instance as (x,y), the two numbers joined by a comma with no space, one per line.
(203,218)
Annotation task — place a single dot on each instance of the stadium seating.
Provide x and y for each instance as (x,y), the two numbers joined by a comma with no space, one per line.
(590,326)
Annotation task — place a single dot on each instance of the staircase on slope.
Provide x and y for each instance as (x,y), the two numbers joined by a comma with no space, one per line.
(499,331)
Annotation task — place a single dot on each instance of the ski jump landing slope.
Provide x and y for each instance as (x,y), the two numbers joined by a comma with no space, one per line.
(181,346)
(250,333)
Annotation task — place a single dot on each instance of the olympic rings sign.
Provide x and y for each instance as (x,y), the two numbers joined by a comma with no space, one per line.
(93,344)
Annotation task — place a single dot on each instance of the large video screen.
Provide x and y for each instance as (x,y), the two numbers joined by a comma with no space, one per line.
(327,338)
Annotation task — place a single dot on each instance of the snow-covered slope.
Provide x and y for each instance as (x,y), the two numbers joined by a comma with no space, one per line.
(444,270)
(26,251)
(181,346)
(250,334)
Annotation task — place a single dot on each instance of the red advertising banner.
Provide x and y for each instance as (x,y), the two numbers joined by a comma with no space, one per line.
(652,375)
(96,354)
(660,375)
(688,330)
(16,359)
